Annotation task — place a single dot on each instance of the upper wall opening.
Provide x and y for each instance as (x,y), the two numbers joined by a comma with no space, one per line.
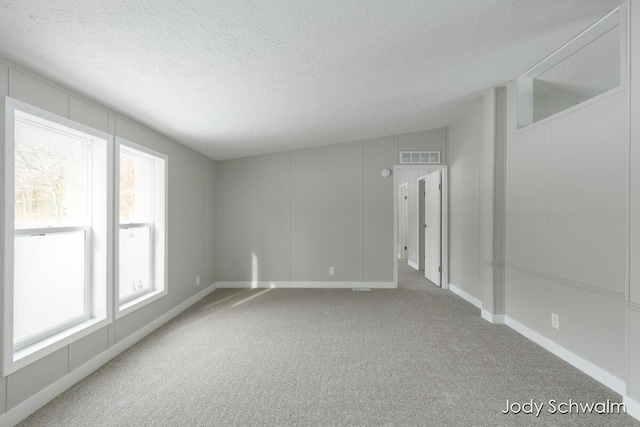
(589,65)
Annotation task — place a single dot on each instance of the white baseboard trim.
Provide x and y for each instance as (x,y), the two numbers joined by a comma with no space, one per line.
(465,296)
(306,285)
(597,373)
(498,319)
(413,265)
(632,407)
(38,400)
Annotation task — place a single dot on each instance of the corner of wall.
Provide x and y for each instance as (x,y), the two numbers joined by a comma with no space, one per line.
(213,166)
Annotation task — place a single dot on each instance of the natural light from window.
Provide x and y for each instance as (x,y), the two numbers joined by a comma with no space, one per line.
(58,229)
(50,247)
(141,230)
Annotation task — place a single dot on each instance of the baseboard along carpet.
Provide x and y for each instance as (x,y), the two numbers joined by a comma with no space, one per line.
(417,355)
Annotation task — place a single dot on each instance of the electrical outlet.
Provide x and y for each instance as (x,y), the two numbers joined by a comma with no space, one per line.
(555,321)
(332,271)
(197,280)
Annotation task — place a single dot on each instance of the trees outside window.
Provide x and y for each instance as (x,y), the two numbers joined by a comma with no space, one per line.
(57,232)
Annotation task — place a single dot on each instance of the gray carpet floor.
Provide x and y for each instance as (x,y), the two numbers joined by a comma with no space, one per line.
(412,356)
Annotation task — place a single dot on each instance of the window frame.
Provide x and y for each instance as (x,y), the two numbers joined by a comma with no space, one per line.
(98,241)
(158,228)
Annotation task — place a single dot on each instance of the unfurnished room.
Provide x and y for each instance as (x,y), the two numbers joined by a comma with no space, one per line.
(313,213)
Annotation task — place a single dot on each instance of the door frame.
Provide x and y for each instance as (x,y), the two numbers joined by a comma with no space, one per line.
(423,179)
(402,253)
(421,221)
(445,216)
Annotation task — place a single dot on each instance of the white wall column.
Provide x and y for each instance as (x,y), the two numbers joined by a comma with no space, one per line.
(492,210)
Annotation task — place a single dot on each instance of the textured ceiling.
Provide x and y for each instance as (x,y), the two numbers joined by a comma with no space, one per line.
(234,78)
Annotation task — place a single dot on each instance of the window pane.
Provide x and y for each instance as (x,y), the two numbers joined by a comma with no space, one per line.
(135,261)
(135,187)
(49,281)
(50,175)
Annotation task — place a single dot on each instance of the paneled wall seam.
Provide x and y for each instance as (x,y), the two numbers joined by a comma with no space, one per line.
(362,209)
(572,110)
(627,83)
(209,193)
(290,214)
(481,172)
(493,264)
(13,67)
(68,91)
(2,210)
(493,181)
(583,286)
(627,350)
(629,39)
(549,195)
(632,306)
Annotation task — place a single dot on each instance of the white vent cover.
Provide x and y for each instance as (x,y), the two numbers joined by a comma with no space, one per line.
(419,157)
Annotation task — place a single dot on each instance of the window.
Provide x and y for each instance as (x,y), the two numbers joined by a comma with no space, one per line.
(56,232)
(591,64)
(141,235)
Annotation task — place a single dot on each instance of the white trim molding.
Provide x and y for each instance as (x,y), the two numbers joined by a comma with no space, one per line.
(38,400)
(632,407)
(595,372)
(413,265)
(496,319)
(465,296)
(305,285)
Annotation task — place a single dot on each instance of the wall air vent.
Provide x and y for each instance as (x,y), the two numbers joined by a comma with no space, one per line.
(419,157)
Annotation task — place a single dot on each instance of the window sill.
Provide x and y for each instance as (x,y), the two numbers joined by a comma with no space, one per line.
(27,355)
(140,302)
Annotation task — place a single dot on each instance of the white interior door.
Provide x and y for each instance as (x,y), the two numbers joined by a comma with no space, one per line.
(433,227)
(404,222)
(421,218)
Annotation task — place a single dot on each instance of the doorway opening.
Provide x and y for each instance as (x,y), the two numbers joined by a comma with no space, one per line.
(421,222)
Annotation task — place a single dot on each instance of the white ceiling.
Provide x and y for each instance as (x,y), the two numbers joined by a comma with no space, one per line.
(234,78)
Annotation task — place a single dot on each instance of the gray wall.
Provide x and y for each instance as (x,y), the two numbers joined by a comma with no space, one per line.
(327,214)
(463,153)
(567,228)
(288,217)
(571,220)
(426,140)
(633,306)
(191,190)
(253,211)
